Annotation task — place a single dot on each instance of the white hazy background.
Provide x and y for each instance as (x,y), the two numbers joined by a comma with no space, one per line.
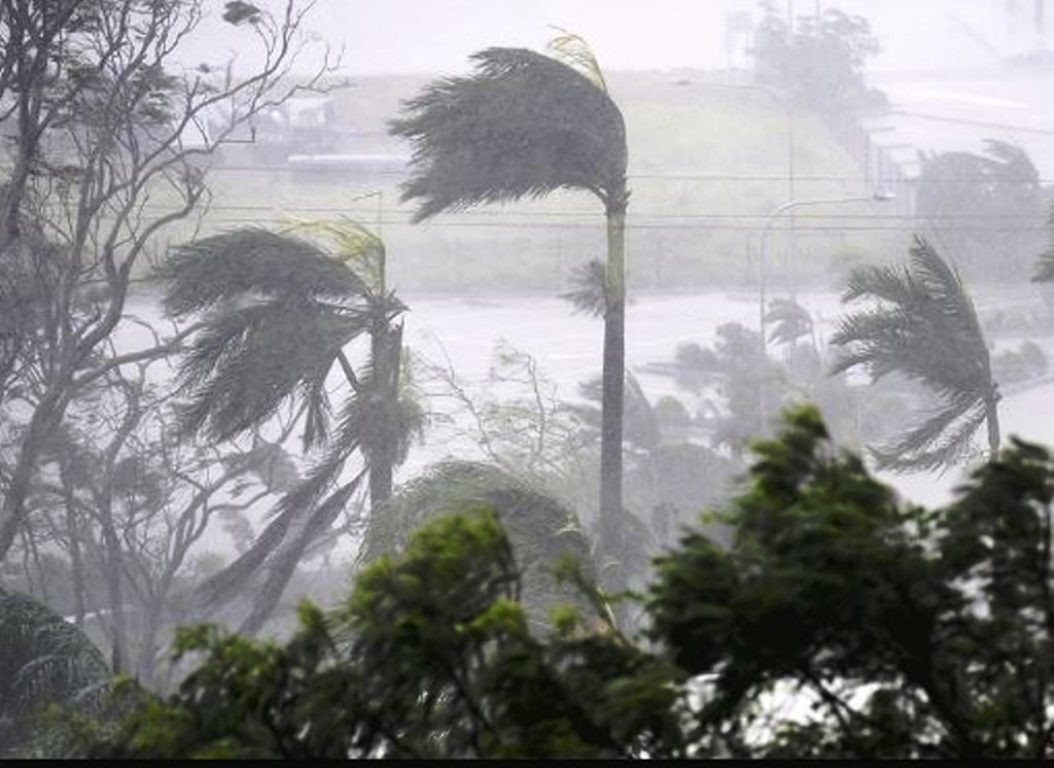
(437,36)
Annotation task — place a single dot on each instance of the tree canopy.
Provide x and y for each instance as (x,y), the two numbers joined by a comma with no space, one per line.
(896,631)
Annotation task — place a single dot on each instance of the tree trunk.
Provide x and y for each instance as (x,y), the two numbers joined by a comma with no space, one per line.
(613,383)
(386,348)
(991,414)
(74,537)
(47,414)
(284,564)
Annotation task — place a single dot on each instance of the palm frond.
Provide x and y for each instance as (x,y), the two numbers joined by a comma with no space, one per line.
(251,262)
(353,243)
(248,361)
(575,52)
(925,327)
(790,320)
(286,558)
(588,295)
(1012,163)
(523,125)
(939,441)
(540,529)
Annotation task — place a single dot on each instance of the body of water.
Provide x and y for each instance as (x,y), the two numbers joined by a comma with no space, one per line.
(567,348)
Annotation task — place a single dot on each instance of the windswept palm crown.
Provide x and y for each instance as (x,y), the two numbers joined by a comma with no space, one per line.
(523,125)
(278,311)
(924,327)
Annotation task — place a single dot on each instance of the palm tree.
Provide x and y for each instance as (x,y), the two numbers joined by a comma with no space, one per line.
(525,125)
(542,531)
(43,659)
(279,311)
(925,327)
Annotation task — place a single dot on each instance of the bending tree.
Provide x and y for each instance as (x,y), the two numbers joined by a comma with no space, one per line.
(279,312)
(925,327)
(525,125)
(109,152)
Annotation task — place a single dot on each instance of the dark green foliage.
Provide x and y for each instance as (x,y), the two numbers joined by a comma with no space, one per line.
(896,632)
(430,657)
(916,633)
(925,327)
(523,125)
(541,531)
(43,661)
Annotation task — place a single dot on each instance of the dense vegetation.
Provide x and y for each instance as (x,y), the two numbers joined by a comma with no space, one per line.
(897,631)
(595,575)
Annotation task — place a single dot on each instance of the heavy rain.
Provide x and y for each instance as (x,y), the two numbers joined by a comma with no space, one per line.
(488,379)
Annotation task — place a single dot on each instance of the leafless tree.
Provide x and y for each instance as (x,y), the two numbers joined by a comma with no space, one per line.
(109,150)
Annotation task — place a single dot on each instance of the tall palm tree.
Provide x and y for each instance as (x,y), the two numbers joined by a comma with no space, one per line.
(924,327)
(525,125)
(279,311)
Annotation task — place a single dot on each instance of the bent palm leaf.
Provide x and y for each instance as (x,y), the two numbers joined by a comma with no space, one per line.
(279,311)
(924,327)
(523,125)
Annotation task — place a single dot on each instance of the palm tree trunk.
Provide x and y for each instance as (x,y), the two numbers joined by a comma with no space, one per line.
(613,382)
(386,346)
(991,414)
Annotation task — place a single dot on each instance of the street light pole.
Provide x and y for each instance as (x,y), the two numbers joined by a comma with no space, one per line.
(878,196)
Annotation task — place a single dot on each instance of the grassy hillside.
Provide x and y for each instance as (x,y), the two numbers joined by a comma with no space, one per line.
(708,164)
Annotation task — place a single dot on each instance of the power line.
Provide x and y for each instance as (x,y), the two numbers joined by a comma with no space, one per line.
(638,226)
(596,215)
(333,170)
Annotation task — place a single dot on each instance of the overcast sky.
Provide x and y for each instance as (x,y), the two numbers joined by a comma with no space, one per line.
(436,36)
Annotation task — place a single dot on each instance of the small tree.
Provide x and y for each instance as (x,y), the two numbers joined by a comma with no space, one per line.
(43,660)
(819,61)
